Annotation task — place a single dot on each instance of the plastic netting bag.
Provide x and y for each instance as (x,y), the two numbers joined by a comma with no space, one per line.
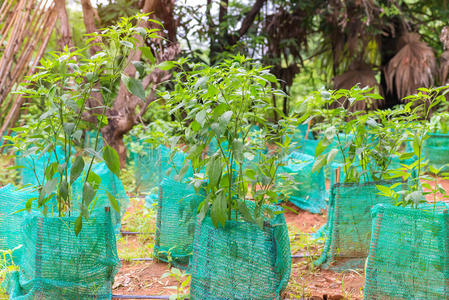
(436,149)
(175,225)
(240,261)
(349,224)
(409,253)
(34,165)
(309,192)
(152,164)
(56,264)
(12,202)
(109,183)
(149,166)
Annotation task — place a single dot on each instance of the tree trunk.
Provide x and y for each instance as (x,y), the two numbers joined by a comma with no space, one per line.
(89,16)
(66,36)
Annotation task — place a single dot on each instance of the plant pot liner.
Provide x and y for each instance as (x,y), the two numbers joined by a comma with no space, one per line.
(409,253)
(240,261)
(349,224)
(310,191)
(56,264)
(11,201)
(175,224)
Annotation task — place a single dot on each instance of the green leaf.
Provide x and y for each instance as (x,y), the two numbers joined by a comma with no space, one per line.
(319,163)
(127,44)
(88,193)
(385,190)
(134,86)
(214,170)
(111,159)
(139,67)
(166,65)
(114,203)
(225,118)
(218,212)
(331,155)
(77,169)
(201,117)
(245,212)
(50,185)
(148,54)
(64,189)
(78,225)
(51,170)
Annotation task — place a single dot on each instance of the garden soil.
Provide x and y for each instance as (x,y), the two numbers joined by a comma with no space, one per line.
(144,278)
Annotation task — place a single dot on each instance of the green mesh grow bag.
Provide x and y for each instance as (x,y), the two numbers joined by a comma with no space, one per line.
(175,224)
(33,164)
(409,253)
(152,164)
(109,182)
(240,261)
(11,201)
(56,264)
(309,192)
(349,224)
(436,149)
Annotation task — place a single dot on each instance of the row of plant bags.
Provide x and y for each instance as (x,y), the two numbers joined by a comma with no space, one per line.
(309,191)
(12,203)
(57,264)
(177,208)
(409,253)
(240,260)
(348,227)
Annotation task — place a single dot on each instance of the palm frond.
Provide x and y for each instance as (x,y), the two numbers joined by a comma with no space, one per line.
(358,73)
(412,67)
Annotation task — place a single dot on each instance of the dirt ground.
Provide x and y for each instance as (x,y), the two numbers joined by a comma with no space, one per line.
(306,282)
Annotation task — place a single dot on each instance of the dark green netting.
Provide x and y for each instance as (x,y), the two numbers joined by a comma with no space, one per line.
(240,261)
(349,224)
(12,200)
(436,149)
(110,183)
(175,225)
(409,253)
(56,264)
(309,192)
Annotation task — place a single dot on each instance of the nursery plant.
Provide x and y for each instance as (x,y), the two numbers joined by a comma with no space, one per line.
(360,148)
(66,82)
(407,257)
(418,111)
(366,142)
(221,104)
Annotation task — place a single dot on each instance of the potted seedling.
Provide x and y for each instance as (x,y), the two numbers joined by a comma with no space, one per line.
(408,253)
(367,144)
(241,247)
(69,247)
